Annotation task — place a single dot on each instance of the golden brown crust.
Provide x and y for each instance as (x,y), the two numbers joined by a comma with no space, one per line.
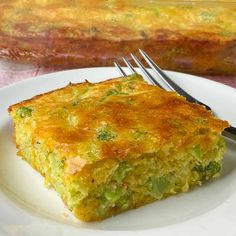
(133,116)
(116,145)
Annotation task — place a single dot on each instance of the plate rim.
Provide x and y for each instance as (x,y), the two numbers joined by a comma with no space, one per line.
(44,76)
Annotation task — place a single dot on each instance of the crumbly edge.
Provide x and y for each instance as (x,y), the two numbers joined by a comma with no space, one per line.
(111,186)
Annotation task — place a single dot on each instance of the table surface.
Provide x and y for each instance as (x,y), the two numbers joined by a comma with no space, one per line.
(11,72)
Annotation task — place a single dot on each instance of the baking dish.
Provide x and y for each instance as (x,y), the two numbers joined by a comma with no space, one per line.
(188,36)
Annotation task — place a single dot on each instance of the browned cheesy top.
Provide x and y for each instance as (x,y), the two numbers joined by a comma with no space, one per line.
(118,118)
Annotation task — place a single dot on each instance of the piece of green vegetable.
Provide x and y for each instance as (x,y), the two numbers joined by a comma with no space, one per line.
(210,170)
(105,135)
(207,16)
(113,194)
(160,185)
(121,171)
(196,152)
(24,112)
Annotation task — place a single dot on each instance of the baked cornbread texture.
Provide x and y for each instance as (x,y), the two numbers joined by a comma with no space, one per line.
(195,36)
(116,145)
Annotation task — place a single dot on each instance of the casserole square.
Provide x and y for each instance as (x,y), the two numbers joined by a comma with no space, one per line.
(117,145)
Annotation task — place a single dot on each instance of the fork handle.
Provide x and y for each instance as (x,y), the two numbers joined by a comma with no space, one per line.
(230,132)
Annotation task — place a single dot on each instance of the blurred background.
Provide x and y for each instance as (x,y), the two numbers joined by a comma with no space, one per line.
(42,36)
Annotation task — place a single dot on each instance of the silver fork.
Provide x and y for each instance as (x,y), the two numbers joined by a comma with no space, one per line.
(229,132)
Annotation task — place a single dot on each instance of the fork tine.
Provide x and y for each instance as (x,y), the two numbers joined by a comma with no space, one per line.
(165,78)
(144,70)
(171,84)
(157,69)
(229,132)
(129,65)
(118,67)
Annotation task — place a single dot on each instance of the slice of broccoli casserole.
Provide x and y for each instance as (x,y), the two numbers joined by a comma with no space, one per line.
(117,145)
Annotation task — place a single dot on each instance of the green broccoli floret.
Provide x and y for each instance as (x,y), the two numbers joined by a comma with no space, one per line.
(24,112)
(210,170)
(106,134)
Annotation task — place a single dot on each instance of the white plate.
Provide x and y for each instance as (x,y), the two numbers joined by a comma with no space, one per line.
(28,208)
